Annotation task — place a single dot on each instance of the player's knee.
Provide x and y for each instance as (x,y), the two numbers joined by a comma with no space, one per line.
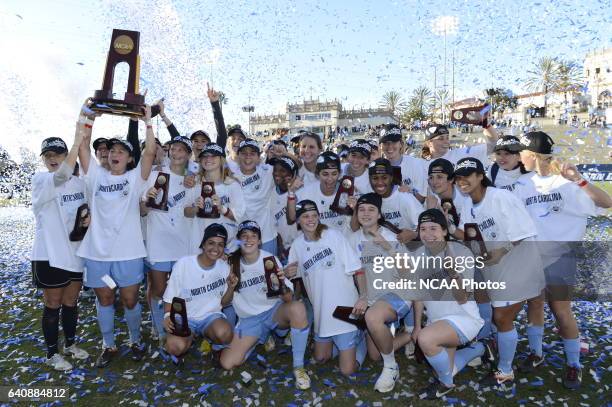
(223,336)
(373,318)
(175,348)
(130,302)
(106,300)
(426,341)
(348,369)
(227,361)
(322,357)
(297,312)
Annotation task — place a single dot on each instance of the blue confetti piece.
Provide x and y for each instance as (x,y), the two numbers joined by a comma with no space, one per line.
(537,383)
(205,388)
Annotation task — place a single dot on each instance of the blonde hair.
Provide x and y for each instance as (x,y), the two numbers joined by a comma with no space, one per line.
(226,175)
(545,163)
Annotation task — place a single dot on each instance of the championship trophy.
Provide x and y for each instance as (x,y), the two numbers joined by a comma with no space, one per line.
(78,232)
(210,210)
(471,115)
(161,200)
(178,316)
(397,176)
(346,314)
(448,205)
(123,48)
(275,286)
(474,240)
(346,189)
(390,226)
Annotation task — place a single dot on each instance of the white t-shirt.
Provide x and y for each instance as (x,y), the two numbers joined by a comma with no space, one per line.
(279,213)
(251,300)
(328,217)
(231,197)
(55,210)
(167,233)
(402,209)
(232,165)
(459,200)
(115,233)
(502,219)
(201,289)
(478,151)
(367,250)
(559,208)
(414,173)
(307,176)
(362,182)
(326,267)
(505,179)
(258,190)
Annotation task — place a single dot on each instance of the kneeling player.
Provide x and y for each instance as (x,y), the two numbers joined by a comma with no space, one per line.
(201,281)
(260,315)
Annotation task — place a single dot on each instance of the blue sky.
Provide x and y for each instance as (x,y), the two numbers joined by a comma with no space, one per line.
(272,52)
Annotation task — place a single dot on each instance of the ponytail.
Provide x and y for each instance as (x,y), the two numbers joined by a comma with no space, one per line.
(233,259)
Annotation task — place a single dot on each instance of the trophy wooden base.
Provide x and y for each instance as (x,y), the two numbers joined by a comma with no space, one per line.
(118,108)
(345,314)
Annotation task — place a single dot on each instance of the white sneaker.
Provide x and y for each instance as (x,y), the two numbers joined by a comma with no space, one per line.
(57,362)
(386,380)
(302,380)
(76,352)
(409,349)
(154,335)
(475,362)
(270,344)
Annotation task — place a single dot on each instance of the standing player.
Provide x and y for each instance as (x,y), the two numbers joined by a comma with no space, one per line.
(100,146)
(386,306)
(508,233)
(310,147)
(413,169)
(398,208)
(113,247)
(437,145)
(559,201)
(358,159)
(235,136)
(328,266)
(284,171)
(507,167)
(204,282)
(452,319)
(259,315)
(56,196)
(228,197)
(323,192)
(167,232)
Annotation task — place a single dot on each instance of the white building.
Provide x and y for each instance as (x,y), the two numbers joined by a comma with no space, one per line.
(319,117)
(598,74)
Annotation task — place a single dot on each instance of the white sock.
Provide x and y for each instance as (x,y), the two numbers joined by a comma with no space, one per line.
(388,359)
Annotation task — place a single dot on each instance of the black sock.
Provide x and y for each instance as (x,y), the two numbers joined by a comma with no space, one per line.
(50,327)
(70,315)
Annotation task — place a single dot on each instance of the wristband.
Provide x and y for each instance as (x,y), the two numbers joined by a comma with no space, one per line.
(166,315)
(359,273)
(582,183)
(291,198)
(224,210)
(291,195)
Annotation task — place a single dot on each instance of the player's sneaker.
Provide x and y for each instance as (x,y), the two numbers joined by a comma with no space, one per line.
(76,352)
(138,352)
(386,380)
(435,391)
(302,380)
(105,357)
(409,349)
(270,344)
(573,377)
(58,362)
(497,377)
(530,364)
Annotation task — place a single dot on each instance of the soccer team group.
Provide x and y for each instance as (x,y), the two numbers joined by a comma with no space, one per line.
(209,249)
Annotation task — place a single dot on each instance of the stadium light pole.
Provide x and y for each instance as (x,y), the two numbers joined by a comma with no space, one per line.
(445,26)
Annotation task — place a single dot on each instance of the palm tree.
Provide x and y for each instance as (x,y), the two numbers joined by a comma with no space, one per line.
(420,103)
(222,100)
(569,78)
(543,77)
(393,102)
(441,97)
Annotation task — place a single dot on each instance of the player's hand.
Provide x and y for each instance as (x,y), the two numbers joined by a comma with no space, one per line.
(415,334)
(147,115)
(290,270)
(152,192)
(495,256)
(232,281)
(405,188)
(199,202)
(296,184)
(360,307)
(168,325)
(570,172)
(162,107)
(351,202)
(406,235)
(189,181)
(86,221)
(213,95)
(216,200)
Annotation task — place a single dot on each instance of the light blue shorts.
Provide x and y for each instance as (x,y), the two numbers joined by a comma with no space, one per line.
(200,326)
(562,271)
(462,338)
(401,307)
(343,341)
(125,272)
(260,325)
(164,266)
